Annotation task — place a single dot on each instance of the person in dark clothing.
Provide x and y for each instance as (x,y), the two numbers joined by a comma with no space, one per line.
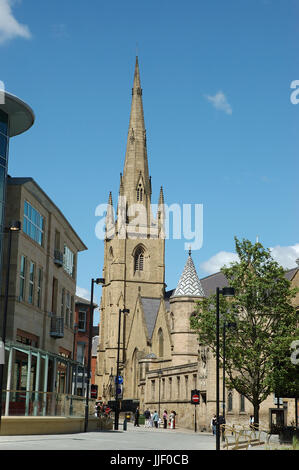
(222,425)
(165,417)
(137,414)
(147,415)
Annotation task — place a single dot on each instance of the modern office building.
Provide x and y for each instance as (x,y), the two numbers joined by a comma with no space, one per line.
(16,117)
(41,295)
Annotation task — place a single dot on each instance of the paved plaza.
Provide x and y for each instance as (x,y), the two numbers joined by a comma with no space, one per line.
(134,438)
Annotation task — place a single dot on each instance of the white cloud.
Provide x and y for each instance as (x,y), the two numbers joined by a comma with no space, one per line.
(285,255)
(216,262)
(83,293)
(219,101)
(10,28)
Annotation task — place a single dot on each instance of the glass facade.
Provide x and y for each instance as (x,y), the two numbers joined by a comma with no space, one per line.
(33,224)
(68,261)
(4,128)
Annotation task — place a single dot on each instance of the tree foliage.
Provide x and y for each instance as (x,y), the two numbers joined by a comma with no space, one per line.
(265,322)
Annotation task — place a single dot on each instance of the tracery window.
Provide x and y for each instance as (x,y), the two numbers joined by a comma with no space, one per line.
(139,193)
(139,260)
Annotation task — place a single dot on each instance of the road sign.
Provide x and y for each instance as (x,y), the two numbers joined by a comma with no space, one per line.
(119,391)
(119,379)
(195,397)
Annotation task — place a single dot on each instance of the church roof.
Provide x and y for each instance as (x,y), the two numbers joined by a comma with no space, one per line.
(189,284)
(150,307)
(210,283)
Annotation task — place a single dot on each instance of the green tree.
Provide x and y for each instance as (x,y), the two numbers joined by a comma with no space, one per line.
(265,322)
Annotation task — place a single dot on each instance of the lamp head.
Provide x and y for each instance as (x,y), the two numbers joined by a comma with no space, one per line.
(228,292)
(15,226)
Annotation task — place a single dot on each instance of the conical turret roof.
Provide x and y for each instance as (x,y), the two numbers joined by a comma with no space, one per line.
(189,284)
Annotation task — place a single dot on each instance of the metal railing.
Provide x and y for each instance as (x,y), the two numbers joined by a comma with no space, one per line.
(239,437)
(57,327)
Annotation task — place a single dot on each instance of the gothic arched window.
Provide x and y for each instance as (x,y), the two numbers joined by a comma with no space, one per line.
(160,342)
(242,403)
(230,402)
(139,259)
(139,193)
(172,321)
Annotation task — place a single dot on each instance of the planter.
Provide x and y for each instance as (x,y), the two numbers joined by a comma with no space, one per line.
(287,433)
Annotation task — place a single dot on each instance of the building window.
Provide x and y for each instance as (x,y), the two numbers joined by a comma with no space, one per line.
(72,312)
(242,403)
(82,320)
(153,389)
(139,193)
(178,387)
(62,301)
(31,283)
(33,224)
(54,295)
(160,342)
(39,287)
(68,261)
(138,260)
(80,352)
(194,381)
(170,387)
(163,389)
(172,321)
(27,338)
(22,277)
(186,386)
(230,402)
(67,308)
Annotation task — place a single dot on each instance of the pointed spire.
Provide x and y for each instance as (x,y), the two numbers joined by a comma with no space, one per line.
(136,162)
(109,222)
(161,197)
(189,284)
(161,215)
(121,186)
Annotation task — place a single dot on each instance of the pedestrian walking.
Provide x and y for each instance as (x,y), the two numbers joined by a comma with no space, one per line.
(213,425)
(165,419)
(155,419)
(147,415)
(222,426)
(172,420)
(151,422)
(251,422)
(137,414)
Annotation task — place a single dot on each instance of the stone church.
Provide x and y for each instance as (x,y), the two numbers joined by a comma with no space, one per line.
(160,358)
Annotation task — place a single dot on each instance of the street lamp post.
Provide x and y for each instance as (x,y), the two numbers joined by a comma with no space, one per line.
(91,308)
(116,418)
(159,375)
(14,226)
(225,325)
(226,292)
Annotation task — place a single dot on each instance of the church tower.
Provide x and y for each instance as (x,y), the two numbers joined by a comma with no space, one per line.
(133,248)
(183,304)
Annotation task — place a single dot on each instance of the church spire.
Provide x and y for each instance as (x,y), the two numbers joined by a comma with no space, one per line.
(136,181)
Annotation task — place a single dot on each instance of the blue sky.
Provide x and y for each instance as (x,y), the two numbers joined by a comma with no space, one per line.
(221,129)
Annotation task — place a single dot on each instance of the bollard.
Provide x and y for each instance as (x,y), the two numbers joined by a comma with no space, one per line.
(125,424)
